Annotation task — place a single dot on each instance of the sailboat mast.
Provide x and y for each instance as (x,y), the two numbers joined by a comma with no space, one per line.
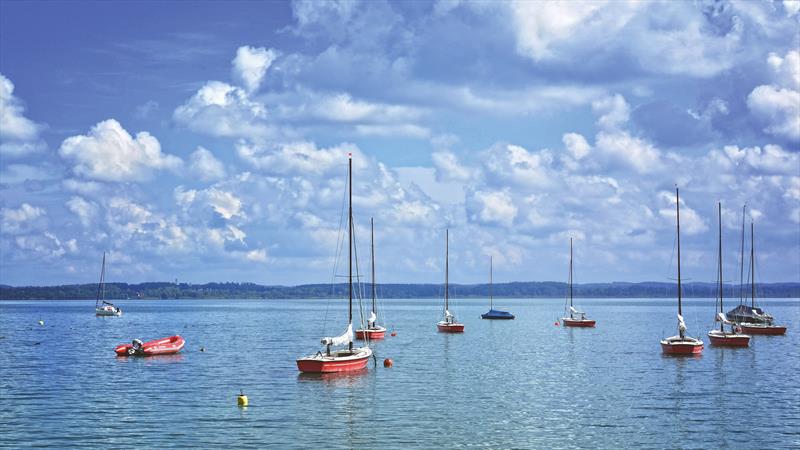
(678,217)
(101,290)
(741,261)
(570,273)
(491,302)
(719,213)
(372,245)
(350,240)
(752,268)
(446,267)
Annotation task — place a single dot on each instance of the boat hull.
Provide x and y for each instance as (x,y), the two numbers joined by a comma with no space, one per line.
(105,312)
(373,334)
(722,339)
(678,346)
(580,323)
(165,346)
(770,330)
(336,363)
(450,327)
(495,314)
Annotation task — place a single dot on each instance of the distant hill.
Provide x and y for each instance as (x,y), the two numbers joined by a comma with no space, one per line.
(535,289)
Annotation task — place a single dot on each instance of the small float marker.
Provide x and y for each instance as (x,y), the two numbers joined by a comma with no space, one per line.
(241,400)
(388,362)
(394,333)
(556,323)
(41,322)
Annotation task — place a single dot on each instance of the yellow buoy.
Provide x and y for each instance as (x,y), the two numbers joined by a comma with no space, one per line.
(241,400)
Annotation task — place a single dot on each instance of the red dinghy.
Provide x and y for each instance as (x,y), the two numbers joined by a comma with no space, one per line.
(165,346)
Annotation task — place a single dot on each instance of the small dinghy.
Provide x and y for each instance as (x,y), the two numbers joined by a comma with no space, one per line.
(165,346)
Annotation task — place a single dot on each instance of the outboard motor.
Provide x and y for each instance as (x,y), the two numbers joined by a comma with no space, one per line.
(136,347)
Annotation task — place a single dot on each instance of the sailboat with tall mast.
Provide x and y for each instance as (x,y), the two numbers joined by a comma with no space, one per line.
(448,324)
(722,337)
(373,331)
(347,358)
(102,307)
(752,319)
(494,314)
(573,317)
(680,344)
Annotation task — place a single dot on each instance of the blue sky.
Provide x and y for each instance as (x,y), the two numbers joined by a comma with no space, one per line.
(208,142)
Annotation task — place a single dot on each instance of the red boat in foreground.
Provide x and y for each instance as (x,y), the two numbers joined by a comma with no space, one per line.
(165,346)
(680,344)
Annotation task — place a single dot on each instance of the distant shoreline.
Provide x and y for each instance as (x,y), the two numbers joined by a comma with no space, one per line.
(539,289)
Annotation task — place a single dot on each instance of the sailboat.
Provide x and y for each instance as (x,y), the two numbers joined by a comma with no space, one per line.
(101,306)
(680,344)
(722,337)
(448,324)
(494,314)
(373,330)
(754,320)
(574,317)
(347,358)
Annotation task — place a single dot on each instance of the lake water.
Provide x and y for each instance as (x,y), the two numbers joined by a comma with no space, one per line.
(509,384)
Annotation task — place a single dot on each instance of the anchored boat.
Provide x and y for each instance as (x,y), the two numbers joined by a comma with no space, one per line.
(165,346)
(494,314)
(680,344)
(574,318)
(448,324)
(756,320)
(723,337)
(348,358)
(373,331)
(101,306)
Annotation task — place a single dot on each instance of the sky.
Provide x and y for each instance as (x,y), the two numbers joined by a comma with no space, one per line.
(208,141)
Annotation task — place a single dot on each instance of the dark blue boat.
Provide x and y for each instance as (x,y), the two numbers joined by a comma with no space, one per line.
(497,315)
(494,314)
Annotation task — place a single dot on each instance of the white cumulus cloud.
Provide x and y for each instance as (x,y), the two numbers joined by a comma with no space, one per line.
(19,135)
(205,166)
(19,219)
(778,105)
(251,64)
(109,153)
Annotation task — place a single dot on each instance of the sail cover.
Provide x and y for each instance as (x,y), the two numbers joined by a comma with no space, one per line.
(448,314)
(344,338)
(721,318)
(747,314)
(372,318)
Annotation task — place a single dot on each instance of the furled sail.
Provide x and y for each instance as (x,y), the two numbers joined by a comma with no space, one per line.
(681,323)
(345,338)
(372,318)
(721,318)
(448,314)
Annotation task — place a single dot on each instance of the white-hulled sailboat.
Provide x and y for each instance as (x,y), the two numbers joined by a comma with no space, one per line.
(722,337)
(680,344)
(348,358)
(448,324)
(101,306)
(373,331)
(573,317)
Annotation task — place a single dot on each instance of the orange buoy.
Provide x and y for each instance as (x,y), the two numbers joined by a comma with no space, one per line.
(394,333)
(387,362)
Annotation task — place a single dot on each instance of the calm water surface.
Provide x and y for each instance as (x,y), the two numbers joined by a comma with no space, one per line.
(510,384)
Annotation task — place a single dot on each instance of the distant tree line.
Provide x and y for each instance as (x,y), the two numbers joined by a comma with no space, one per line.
(544,289)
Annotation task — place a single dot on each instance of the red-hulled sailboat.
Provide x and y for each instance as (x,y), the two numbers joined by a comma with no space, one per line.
(680,344)
(722,337)
(448,324)
(755,321)
(346,359)
(574,318)
(373,331)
